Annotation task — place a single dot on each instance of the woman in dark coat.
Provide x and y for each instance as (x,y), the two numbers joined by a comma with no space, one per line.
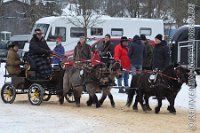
(40,53)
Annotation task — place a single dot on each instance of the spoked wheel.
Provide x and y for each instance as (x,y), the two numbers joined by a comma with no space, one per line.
(70,97)
(35,94)
(8,93)
(46,97)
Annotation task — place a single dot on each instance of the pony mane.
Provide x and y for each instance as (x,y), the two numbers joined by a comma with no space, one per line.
(169,71)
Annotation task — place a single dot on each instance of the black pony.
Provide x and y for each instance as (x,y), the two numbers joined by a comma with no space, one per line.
(166,84)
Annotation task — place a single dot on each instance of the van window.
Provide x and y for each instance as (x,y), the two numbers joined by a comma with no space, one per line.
(59,32)
(145,31)
(117,32)
(20,43)
(96,31)
(76,31)
(43,27)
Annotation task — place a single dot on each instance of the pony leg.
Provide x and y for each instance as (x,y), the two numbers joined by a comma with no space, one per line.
(110,96)
(146,98)
(135,107)
(65,88)
(171,108)
(103,97)
(139,97)
(95,99)
(61,98)
(77,98)
(112,102)
(157,109)
(89,101)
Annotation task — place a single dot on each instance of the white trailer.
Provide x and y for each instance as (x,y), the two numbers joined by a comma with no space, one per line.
(61,27)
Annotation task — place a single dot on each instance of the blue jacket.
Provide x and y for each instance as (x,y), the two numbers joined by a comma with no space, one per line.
(136,52)
(59,50)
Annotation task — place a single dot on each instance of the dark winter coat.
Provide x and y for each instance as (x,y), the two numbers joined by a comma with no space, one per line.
(40,52)
(107,47)
(121,54)
(59,50)
(106,51)
(161,56)
(82,52)
(136,53)
(147,60)
(13,62)
(39,47)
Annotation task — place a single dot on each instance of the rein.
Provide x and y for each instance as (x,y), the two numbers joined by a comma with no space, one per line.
(150,71)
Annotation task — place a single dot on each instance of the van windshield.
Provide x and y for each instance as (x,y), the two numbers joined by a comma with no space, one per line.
(43,27)
(90,42)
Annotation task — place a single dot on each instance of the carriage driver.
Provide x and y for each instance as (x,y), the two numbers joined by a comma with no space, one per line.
(40,53)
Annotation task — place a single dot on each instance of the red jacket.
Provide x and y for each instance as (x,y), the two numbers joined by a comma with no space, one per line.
(121,53)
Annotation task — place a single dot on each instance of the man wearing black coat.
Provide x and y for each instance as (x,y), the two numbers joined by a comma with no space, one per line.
(106,50)
(40,52)
(161,55)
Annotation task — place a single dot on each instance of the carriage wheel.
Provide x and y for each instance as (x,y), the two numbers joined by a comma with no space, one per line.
(35,94)
(46,97)
(8,93)
(70,97)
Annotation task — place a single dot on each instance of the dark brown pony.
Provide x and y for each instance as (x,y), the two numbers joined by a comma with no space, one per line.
(72,82)
(101,79)
(167,84)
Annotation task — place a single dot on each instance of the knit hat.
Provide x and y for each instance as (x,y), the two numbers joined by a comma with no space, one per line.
(143,37)
(124,39)
(38,31)
(159,37)
(13,44)
(59,39)
(136,37)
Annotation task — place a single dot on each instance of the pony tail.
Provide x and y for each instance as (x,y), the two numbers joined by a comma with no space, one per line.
(131,92)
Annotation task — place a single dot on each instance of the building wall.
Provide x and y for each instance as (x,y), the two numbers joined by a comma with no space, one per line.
(13,17)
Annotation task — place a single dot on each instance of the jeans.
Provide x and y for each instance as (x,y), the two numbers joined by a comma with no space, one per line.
(136,68)
(125,76)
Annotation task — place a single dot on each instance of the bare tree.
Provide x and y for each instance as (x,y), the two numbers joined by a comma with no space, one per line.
(40,10)
(85,16)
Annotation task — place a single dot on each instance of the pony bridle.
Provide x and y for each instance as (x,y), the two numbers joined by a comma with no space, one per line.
(178,76)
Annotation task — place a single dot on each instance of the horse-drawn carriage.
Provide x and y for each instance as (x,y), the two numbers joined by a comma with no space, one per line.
(38,89)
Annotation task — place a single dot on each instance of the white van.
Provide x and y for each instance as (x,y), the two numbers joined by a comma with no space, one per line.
(60,26)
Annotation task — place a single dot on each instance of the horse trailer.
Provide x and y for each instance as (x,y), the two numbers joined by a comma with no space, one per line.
(53,27)
(180,46)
